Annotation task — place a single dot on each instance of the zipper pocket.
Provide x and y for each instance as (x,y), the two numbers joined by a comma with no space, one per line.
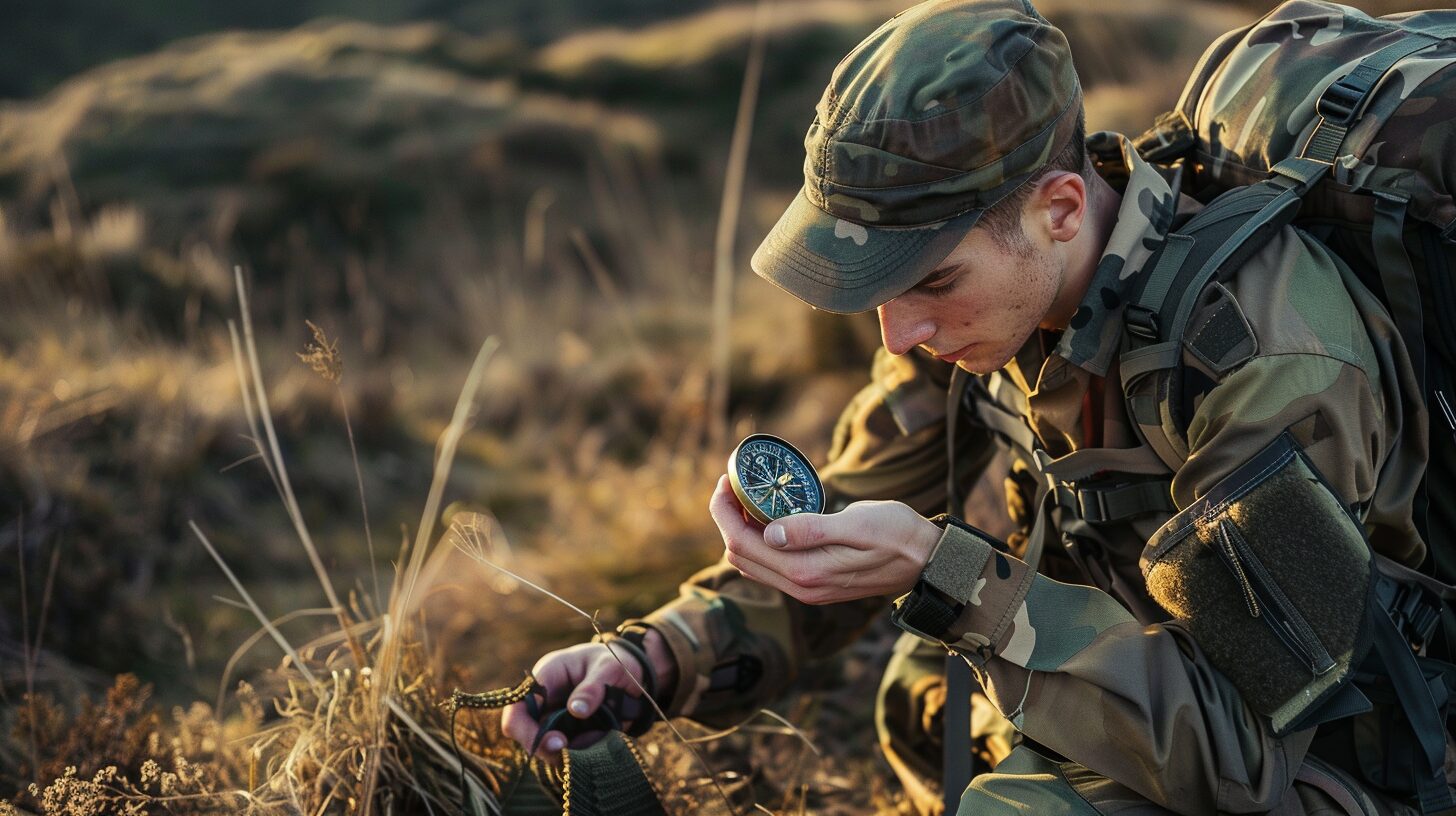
(1266,601)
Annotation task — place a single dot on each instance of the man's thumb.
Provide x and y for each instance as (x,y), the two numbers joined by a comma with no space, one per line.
(799,532)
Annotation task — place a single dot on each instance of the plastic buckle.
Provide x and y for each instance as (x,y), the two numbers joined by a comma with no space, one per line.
(1448,232)
(1340,102)
(1414,613)
(1141,322)
(1169,138)
(1092,506)
(1066,496)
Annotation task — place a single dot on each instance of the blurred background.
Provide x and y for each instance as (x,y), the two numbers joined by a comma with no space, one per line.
(412,177)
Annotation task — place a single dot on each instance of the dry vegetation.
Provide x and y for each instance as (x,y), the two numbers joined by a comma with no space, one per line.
(410,191)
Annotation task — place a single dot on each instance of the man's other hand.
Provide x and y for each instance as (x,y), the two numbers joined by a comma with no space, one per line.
(870,548)
(578,676)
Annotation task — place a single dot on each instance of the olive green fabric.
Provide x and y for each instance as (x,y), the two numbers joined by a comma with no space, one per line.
(937,115)
(1028,783)
(607,779)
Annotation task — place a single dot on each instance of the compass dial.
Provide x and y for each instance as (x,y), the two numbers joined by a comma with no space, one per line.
(772,479)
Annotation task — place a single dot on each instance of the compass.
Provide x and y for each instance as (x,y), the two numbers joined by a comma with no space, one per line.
(772,479)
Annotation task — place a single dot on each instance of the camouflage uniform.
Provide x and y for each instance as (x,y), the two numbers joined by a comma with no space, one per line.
(1150,712)
(1119,707)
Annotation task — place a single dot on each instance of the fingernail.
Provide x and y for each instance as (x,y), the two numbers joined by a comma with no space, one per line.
(776,536)
(578,706)
(554,744)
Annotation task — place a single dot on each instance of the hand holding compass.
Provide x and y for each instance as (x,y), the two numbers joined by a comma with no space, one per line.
(870,548)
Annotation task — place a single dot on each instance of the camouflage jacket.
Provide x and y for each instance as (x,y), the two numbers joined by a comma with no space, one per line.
(1318,357)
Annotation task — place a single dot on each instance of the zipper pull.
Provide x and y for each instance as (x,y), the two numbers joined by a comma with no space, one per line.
(1250,598)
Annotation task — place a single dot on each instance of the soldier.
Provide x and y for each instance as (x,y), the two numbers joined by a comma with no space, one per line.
(948,186)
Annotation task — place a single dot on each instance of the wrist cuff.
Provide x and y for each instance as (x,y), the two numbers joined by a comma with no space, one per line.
(949,582)
(959,558)
(686,656)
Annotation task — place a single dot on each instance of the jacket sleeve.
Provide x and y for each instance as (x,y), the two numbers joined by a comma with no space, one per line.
(739,644)
(1143,705)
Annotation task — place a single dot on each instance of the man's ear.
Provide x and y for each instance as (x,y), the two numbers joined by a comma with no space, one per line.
(1063,199)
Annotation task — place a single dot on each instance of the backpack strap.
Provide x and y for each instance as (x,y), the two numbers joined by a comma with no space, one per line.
(1398,277)
(1240,222)
(1421,699)
(1342,103)
(1232,228)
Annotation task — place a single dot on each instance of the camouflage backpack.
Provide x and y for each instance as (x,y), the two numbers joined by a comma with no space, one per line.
(1345,126)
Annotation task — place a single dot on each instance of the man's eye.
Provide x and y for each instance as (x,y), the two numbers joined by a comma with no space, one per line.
(940,288)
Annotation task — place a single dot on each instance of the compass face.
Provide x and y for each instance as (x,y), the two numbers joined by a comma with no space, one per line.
(773,480)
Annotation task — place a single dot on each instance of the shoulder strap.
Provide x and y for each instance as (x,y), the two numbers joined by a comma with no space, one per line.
(1398,277)
(1222,236)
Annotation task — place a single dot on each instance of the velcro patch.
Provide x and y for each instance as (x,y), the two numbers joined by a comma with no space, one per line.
(956,563)
(1270,575)
(1220,336)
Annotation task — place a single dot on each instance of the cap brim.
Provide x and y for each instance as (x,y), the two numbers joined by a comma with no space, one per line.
(845,266)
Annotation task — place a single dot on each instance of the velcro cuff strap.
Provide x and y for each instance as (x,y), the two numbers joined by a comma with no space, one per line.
(926,615)
(956,563)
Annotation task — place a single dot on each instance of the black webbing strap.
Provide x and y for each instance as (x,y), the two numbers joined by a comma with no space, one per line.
(956,757)
(1141,317)
(1397,275)
(1343,101)
(1102,505)
(1417,699)
(956,736)
(1230,229)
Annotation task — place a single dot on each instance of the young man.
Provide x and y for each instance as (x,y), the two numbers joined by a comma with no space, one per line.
(947,186)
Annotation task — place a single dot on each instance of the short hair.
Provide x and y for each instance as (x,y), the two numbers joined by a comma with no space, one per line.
(1003,219)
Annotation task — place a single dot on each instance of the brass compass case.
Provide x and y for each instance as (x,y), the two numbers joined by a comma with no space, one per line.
(772,479)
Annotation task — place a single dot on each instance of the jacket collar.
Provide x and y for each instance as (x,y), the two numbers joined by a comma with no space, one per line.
(1092,339)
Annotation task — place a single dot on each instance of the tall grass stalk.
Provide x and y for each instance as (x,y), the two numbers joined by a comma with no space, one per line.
(363,502)
(248,413)
(728,224)
(258,611)
(25,640)
(252,640)
(289,500)
(401,601)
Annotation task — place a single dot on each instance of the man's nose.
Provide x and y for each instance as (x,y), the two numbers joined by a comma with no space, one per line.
(901,329)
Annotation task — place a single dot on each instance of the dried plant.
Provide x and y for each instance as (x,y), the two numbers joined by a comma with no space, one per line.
(322,355)
(119,755)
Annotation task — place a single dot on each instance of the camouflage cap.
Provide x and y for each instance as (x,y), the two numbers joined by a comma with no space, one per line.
(933,118)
